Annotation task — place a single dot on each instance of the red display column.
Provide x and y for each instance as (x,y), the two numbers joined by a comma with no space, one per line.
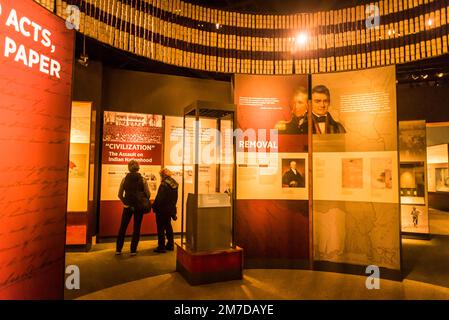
(36,60)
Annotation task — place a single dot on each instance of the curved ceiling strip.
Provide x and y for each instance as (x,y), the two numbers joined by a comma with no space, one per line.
(186,35)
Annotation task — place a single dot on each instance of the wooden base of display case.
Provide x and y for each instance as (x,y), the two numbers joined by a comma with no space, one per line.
(207,267)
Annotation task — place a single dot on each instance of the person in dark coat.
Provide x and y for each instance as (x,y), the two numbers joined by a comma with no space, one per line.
(322,120)
(164,207)
(131,189)
(293,178)
(298,108)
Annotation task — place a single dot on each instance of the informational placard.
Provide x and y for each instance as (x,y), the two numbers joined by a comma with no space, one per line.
(438,168)
(79,157)
(173,153)
(126,137)
(271,137)
(281,176)
(36,59)
(413,176)
(272,215)
(355,163)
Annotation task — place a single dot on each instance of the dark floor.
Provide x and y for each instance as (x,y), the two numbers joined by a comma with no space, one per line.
(423,260)
(427,260)
(100,268)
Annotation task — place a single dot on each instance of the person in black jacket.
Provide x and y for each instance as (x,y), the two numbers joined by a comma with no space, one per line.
(164,207)
(130,191)
(298,108)
(322,120)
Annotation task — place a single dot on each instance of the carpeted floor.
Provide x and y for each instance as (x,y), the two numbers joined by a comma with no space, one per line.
(100,268)
(271,285)
(438,222)
(152,276)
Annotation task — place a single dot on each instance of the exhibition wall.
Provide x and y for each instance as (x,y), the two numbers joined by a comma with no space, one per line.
(132,91)
(356,217)
(413,177)
(81,174)
(126,137)
(438,165)
(272,215)
(35,103)
(423,102)
(142,93)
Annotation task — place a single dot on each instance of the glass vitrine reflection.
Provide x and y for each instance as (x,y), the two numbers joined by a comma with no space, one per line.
(209,177)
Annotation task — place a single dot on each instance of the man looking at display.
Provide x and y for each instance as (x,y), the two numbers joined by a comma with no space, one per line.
(298,108)
(164,207)
(322,121)
(293,178)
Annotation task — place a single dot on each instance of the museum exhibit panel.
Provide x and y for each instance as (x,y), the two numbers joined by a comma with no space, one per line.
(272,216)
(413,177)
(128,136)
(207,251)
(80,204)
(437,165)
(356,217)
(35,129)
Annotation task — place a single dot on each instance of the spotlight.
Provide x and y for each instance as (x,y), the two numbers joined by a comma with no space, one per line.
(217,26)
(414,77)
(440,75)
(424,76)
(301,39)
(84,60)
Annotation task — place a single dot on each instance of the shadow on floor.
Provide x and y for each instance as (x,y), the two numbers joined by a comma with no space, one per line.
(427,260)
(101,268)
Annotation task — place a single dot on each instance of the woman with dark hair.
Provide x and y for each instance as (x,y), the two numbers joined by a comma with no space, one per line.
(132,188)
(164,207)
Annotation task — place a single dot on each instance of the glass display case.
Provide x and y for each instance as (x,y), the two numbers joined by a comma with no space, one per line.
(206,252)
(209,177)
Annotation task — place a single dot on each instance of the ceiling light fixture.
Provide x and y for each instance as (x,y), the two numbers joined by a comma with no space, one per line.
(84,58)
(301,38)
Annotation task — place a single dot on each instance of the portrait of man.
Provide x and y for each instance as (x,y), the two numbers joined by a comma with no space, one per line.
(298,108)
(322,120)
(293,178)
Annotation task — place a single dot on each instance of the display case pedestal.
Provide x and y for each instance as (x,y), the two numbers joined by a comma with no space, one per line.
(208,267)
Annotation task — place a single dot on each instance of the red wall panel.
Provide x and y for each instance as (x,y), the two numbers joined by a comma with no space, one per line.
(273,229)
(34,139)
